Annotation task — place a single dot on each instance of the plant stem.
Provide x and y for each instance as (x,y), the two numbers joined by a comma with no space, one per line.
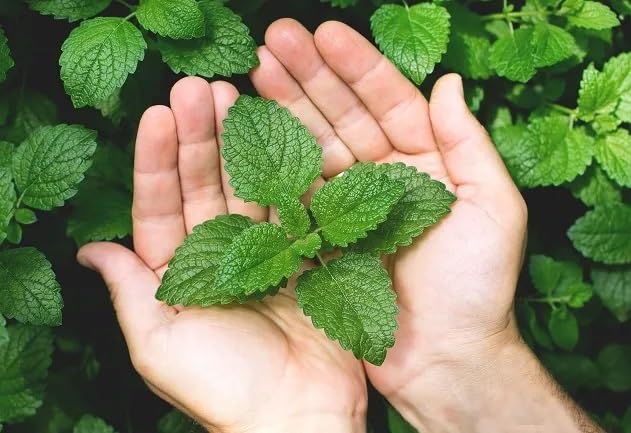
(563,109)
(130,16)
(509,15)
(127,5)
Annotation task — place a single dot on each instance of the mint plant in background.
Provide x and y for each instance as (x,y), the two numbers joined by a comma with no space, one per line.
(550,79)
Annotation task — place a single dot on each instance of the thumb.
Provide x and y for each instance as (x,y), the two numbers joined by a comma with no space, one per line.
(470,156)
(132,287)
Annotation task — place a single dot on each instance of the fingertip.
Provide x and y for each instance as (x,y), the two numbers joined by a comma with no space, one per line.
(333,36)
(225,95)
(188,88)
(449,83)
(284,34)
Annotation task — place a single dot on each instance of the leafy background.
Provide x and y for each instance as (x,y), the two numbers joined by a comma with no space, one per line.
(548,78)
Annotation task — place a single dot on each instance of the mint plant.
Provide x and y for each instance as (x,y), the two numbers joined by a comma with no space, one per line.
(371,209)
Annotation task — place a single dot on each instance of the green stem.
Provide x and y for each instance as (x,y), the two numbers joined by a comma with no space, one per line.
(127,5)
(510,15)
(130,16)
(569,111)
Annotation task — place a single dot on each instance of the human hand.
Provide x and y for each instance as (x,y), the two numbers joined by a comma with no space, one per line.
(260,367)
(458,343)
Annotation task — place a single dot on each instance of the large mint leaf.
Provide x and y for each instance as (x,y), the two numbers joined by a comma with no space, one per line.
(468,49)
(269,154)
(414,38)
(351,205)
(98,56)
(593,15)
(424,202)
(7,201)
(559,281)
(92,424)
(595,188)
(24,363)
(551,44)
(258,258)
(191,274)
(181,19)
(352,300)
(512,55)
(49,165)
(29,291)
(547,152)
(226,49)
(602,234)
(613,152)
(6,62)
(72,10)
(613,286)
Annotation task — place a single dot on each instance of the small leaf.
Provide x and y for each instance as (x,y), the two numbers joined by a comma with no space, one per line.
(559,280)
(258,258)
(613,286)
(98,56)
(226,49)
(14,233)
(593,15)
(413,38)
(342,3)
(614,361)
(563,329)
(424,202)
(191,274)
(351,298)
(613,152)
(552,44)
(6,62)
(351,205)
(602,234)
(180,19)
(512,55)
(595,188)
(29,291)
(25,216)
(49,165)
(293,216)
(24,363)
(92,424)
(72,10)
(7,201)
(269,154)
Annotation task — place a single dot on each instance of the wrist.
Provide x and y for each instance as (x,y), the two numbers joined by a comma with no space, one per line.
(499,387)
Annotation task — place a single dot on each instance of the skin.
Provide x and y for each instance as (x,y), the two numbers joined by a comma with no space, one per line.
(262,367)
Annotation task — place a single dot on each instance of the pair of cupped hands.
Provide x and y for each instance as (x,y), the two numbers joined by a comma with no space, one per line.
(262,366)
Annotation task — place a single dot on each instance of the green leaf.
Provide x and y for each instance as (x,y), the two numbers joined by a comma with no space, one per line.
(397,424)
(32,110)
(182,19)
(424,202)
(341,3)
(176,422)
(191,274)
(226,49)
(547,152)
(602,234)
(269,154)
(613,152)
(25,216)
(29,291)
(538,332)
(4,333)
(572,370)
(293,216)
(613,286)
(351,205)
(414,38)
(593,15)
(24,363)
(98,56)
(258,258)
(512,55)
(14,233)
(614,361)
(351,298)
(595,188)
(561,281)
(7,201)
(92,424)
(49,165)
(6,155)
(72,10)
(468,50)
(623,112)
(6,62)
(102,213)
(563,329)
(551,44)
(604,123)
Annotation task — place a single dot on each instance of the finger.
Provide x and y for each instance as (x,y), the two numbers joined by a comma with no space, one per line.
(225,95)
(157,209)
(199,166)
(398,106)
(294,47)
(132,288)
(272,81)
